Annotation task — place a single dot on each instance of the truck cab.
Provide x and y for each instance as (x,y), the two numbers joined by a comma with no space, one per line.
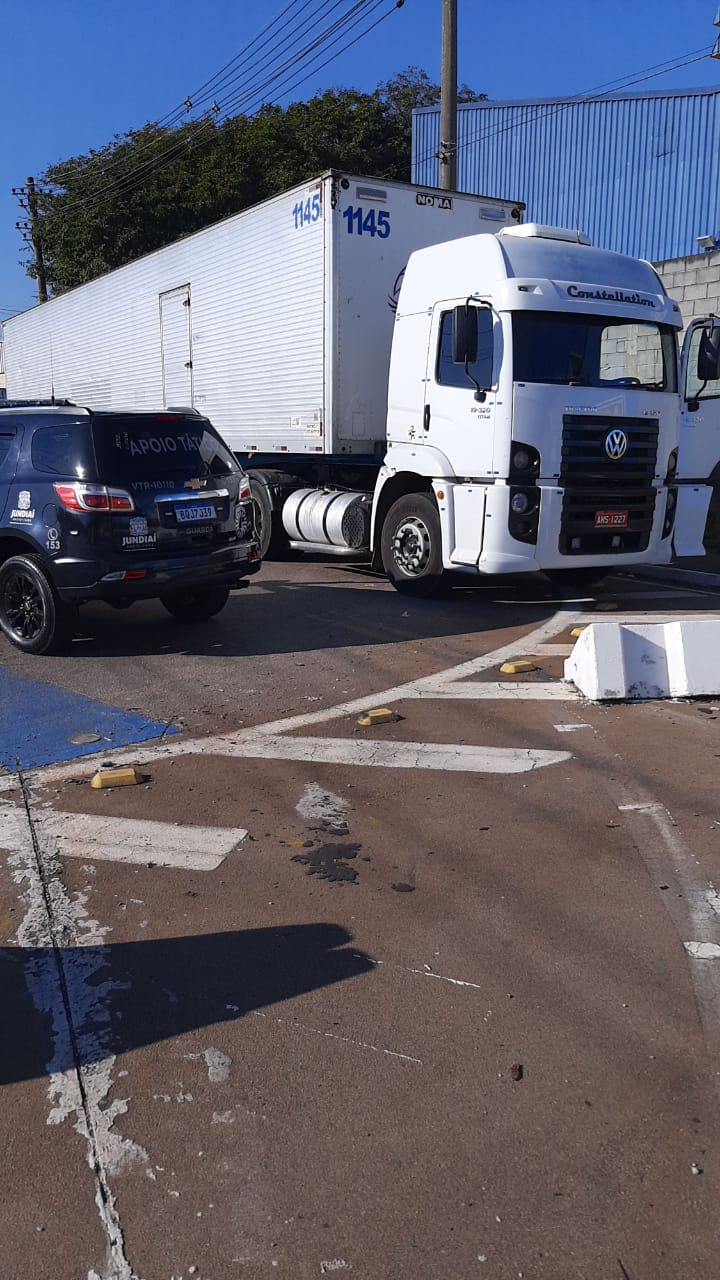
(534,388)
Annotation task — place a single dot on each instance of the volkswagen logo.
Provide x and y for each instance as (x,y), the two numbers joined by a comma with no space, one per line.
(616,443)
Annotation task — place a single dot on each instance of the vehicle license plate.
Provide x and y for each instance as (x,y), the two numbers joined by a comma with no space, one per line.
(193,514)
(611,519)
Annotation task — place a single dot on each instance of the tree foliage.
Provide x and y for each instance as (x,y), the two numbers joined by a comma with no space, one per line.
(150,186)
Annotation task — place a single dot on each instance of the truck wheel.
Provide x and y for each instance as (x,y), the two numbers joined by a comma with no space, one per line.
(196,606)
(411,546)
(32,615)
(263,514)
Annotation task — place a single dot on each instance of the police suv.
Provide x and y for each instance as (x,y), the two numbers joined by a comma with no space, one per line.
(115,507)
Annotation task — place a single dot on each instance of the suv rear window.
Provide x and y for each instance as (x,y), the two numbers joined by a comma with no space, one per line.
(144,448)
(64,449)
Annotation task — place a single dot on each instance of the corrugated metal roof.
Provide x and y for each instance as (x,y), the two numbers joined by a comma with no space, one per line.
(637,171)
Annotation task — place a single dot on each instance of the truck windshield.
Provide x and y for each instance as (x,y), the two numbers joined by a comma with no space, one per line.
(142,448)
(593,351)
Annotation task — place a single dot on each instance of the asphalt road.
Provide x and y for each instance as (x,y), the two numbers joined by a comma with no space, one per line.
(430,998)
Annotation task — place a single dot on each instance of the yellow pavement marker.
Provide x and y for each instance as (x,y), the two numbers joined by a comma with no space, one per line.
(379,715)
(517,666)
(127,777)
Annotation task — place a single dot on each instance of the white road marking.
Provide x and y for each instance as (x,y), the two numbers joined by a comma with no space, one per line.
(134,840)
(501,690)
(396,755)
(570,728)
(442,685)
(692,908)
(66,985)
(427,972)
(440,977)
(218,1064)
(552,651)
(645,806)
(703,950)
(332,1035)
(417,688)
(317,804)
(247,742)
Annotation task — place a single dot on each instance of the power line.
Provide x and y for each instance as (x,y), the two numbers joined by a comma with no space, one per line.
(306,26)
(307,57)
(194,100)
(178,145)
(253,95)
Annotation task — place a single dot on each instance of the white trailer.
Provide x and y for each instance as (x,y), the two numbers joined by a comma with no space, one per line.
(410,371)
(276,323)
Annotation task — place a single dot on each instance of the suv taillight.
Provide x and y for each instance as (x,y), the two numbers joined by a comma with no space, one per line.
(245,492)
(93,497)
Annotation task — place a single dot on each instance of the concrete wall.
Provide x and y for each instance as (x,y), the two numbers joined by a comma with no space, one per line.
(694,282)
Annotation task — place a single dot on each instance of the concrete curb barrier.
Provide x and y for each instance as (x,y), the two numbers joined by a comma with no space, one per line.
(622,661)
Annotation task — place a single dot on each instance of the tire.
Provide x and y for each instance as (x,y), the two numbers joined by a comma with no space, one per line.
(411,546)
(196,606)
(263,514)
(32,615)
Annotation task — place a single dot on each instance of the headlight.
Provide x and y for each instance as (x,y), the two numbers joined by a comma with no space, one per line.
(521,460)
(519,503)
(671,500)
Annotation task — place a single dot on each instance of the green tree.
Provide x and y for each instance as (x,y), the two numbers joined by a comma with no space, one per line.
(150,186)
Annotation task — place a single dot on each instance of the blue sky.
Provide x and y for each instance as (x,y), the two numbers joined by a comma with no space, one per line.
(77,72)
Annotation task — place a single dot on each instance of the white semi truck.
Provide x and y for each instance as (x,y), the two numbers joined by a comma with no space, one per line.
(413,373)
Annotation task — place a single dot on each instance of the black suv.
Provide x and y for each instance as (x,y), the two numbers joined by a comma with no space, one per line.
(116,507)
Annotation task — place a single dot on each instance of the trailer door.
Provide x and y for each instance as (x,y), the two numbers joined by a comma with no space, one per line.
(176,346)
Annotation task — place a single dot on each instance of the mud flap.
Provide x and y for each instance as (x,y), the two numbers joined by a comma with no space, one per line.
(693,502)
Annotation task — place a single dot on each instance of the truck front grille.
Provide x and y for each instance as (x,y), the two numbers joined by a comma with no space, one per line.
(585,462)
(594,482)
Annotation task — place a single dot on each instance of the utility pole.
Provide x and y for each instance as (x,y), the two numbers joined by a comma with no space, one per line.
(30,228)
(447,154)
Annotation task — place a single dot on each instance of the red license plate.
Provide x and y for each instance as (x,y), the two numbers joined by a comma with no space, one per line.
(611,519)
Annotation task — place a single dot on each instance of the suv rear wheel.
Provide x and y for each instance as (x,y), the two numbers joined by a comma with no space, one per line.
(32,616)
(196,606)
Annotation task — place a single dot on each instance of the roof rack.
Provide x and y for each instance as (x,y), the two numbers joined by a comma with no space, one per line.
(37,404)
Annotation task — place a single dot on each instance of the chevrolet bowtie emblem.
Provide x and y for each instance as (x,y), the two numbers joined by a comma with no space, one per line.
(195,484)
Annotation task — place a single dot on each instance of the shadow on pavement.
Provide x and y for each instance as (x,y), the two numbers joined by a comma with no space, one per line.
(131,994)
(278,616)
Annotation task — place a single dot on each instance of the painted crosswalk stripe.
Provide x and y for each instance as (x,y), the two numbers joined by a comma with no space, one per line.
(395,755)
(95,837)
(500,690)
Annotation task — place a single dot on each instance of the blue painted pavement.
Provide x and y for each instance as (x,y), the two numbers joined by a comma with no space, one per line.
(37,720)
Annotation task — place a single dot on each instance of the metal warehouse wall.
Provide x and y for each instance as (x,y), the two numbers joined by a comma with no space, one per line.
(637,171)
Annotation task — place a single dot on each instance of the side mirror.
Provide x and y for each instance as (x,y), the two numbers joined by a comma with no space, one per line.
(708,358)
(464,334)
